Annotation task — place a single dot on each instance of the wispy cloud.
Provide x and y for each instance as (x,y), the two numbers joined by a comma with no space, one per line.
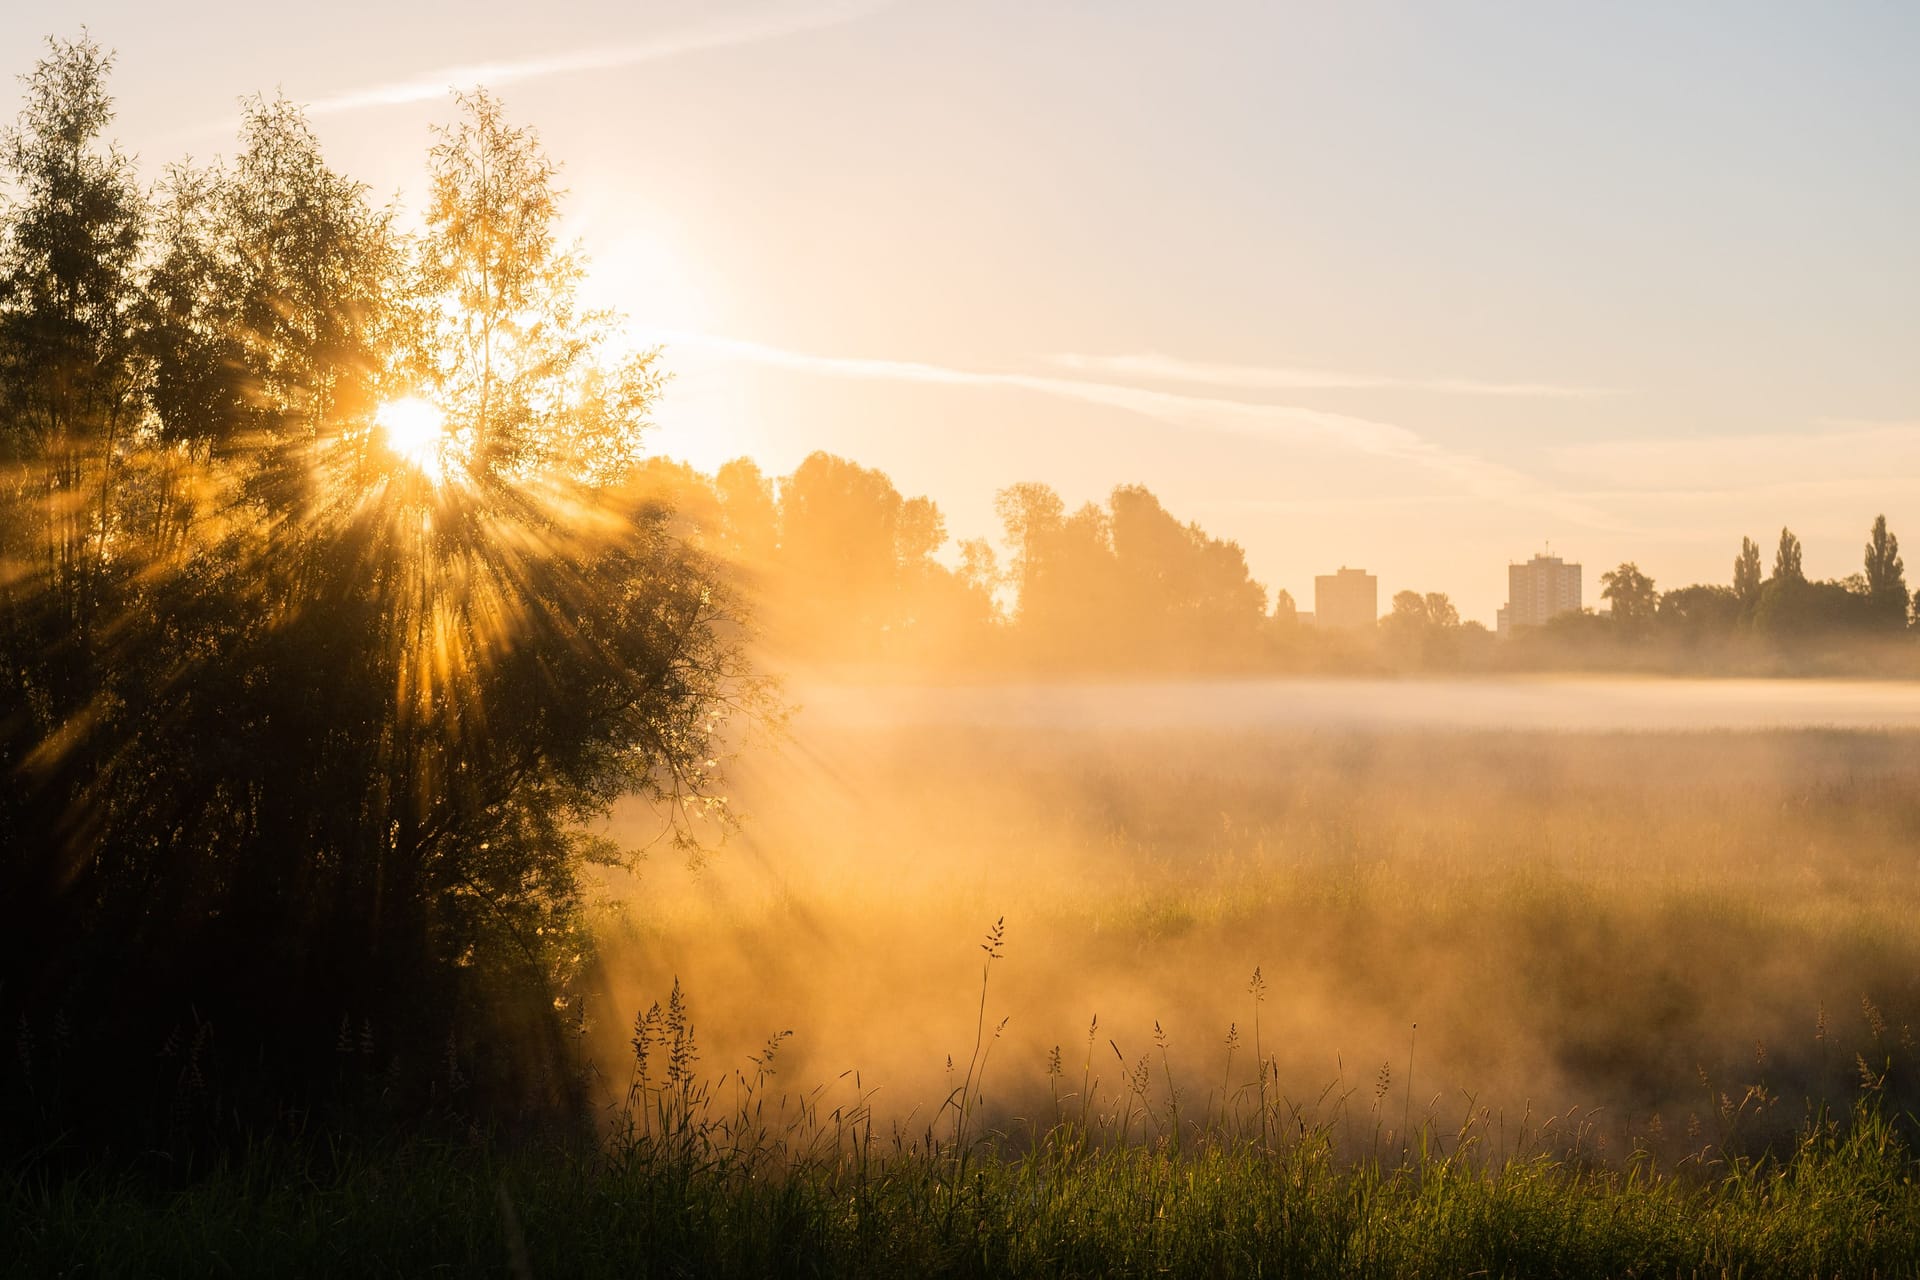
(745,27)
(1367,436)
(1153,367)
(1833,451)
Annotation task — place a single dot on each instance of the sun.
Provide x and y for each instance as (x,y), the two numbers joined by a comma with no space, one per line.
(416,430)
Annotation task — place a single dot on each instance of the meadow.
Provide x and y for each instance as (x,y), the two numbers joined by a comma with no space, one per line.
(1637,924)
(982,995)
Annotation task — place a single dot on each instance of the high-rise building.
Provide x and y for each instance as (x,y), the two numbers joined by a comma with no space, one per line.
(1538,591)
(1348,599)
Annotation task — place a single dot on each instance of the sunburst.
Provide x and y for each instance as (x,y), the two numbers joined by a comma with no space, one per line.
(416,431)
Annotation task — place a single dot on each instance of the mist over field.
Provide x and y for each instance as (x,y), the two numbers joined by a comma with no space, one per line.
(1546,703)
(1634,902)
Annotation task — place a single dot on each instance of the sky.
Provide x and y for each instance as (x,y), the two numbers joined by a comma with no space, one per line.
(1422,288)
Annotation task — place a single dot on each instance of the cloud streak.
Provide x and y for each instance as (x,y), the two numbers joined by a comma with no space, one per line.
(1292,423)
(1836,451)
(1154,367)
(736,29)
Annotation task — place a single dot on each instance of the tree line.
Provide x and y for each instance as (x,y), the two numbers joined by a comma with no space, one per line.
(1782,605)
(847,571)
(844,570)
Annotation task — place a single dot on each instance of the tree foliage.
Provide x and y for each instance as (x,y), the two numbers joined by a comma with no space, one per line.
(1786,559)
(514,358)
(1630,593)
(304,731)
(1126,585)
(69,380)
(1746,572)
(1704,613)
(1886,580)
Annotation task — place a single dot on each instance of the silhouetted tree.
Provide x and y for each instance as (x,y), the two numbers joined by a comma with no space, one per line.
(978,580)
(1424,628)
(69,403)
(750,513)
(856,575)
(1630,593)
(362,706)
(1077,617)
(1031,516)
(1746,572)
(1795,613)
(1126,585)
(1187,599)
(838,523)
(1786,559)
(1700,614)
(979,567)
(919,531)
(69,382)
(1886,582)
(1414,610)
(1066,608)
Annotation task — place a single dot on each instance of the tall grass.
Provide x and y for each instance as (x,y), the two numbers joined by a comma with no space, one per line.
(732,1172)
(711,1176)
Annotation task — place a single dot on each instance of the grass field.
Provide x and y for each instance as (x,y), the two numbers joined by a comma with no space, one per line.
(1664,987)
(1652,930)
(1840,1205)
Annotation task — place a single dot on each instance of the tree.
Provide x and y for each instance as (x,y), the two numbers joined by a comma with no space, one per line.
(68,380)
(364,714)
(1746,572)
(1786,559)
(920,531)
(1409,606)
(1031,516)
(856,575)
(1886,583)
(1187,598)
(515,359)
(278,316)
(1630,592)
(1430,611)
(1078,616)
(1424,628)
(1787,608)
(1699,614)
(1798,610)
(1066,604)
(70,237)
(750,514)
(840,563)
(979,567)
